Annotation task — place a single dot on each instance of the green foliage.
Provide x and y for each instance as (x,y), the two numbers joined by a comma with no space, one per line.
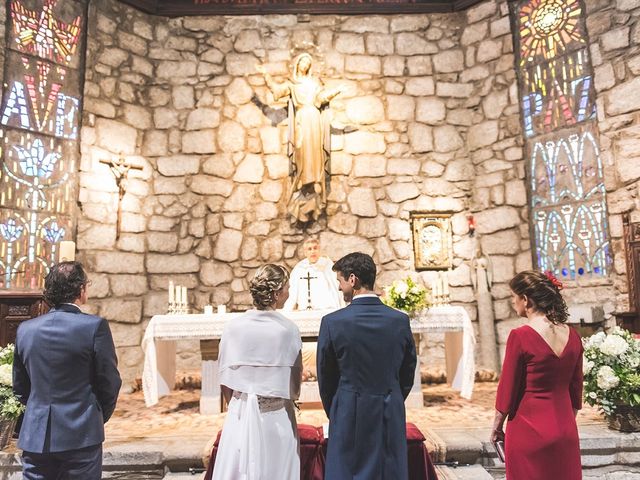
(10,406)
(406,295)
(611,370)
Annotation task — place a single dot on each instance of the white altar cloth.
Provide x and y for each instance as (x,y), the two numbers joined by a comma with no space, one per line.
(159,344)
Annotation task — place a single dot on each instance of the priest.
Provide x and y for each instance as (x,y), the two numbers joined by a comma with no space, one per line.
(312,286)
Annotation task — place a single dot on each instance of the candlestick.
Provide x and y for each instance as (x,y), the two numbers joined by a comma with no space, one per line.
(67,252)
(208,309)
(184,296)
(445,283)
(172,292)
(222,309)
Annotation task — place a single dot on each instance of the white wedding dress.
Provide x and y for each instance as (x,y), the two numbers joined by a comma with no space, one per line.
(260,361)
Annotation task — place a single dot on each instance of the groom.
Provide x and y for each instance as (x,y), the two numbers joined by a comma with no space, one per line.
(366,361)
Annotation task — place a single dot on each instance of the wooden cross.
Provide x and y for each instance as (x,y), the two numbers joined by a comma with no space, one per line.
(308,278)
(120,170)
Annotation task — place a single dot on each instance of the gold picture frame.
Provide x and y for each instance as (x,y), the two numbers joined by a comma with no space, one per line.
(432,240)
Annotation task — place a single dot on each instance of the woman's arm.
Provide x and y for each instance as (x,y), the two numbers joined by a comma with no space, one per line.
(497,432)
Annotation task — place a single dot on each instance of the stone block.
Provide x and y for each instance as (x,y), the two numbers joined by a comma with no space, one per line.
(340,245)
(165,118)
(449,61)
(481,11)
(515,193)
(155,143)
(409,23)
(266,211)
(270,137)
(496,219)
(362,202)
(393,66)
(482,135)
(250,170)
(167,186)
(398,229)
(214,273)
(231,137)
(213,55)
(365,110)
(227,245)
(403,166)
(165,242)
(505,242)
(414,44)
(365,24)
(503,268)
(240,64)
(183,97)
(243,195)
(420,65)
(250,116)
(363,64)
(178,165)
(121,310)
(379,44)
(271,249)
(96,236)
(474,33)
(115,136)
(349,43)
(370,166)
(204,24)
(131,242)
(238,92)
(420,137)
(210,185)
(171,70)
(615,39)
(420,87)
(604,77)
(372,227)
(489,50)
(199,141)
(186,263)
(454,90)
(360,142)
(99,285)
(119,262)
(101,108)
(399,192)
(202,118)
(459,171)
(343,223)
(430,110)
(494,104)
(114,57)
(400,107)
(248,41)
(271,191)
(341,163)
(128,285)
(623,98)
(220,165)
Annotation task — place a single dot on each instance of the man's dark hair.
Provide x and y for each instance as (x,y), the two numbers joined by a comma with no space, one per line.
(64,282)
(361,265)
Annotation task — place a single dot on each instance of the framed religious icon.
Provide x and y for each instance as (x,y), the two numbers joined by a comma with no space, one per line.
(432,240)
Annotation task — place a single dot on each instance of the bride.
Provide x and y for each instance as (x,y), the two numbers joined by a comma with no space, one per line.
(260,371)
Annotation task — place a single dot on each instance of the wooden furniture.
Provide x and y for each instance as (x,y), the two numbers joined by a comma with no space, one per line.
(16,306)
(631,319)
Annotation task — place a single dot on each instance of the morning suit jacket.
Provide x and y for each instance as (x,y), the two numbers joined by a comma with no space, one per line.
(65,371)
(366,363)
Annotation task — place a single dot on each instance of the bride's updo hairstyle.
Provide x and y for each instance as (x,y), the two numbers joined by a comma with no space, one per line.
(543,292)
(267,281)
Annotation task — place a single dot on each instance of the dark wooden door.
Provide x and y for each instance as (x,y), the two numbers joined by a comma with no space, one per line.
(631,319)
(16,307)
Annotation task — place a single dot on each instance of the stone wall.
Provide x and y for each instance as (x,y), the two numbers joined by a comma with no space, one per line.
(3,23)
(614,31)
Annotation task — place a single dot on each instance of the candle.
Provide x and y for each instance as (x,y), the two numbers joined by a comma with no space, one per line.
(208,309)
(172,292)
(222,309)
(67,251)
(433,290)
(184,295)
(445,284)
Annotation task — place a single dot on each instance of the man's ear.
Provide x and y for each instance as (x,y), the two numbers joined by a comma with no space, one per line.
(354,281)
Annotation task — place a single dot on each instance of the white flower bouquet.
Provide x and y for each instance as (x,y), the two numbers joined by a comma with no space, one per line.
(406,295)
(10,406)
(612,370)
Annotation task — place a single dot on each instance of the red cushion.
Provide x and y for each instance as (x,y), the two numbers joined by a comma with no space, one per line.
(414,434)
(309,434)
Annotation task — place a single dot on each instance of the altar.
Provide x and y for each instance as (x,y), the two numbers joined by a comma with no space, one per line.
(159,346)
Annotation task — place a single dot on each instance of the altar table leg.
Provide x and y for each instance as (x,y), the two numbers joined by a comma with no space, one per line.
(452,353)
(415,398)
(210,396)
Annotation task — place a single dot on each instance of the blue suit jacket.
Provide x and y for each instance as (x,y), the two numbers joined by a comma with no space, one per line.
(366,362)
(65,371)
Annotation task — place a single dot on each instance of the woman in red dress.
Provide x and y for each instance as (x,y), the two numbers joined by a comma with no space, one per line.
(540,386)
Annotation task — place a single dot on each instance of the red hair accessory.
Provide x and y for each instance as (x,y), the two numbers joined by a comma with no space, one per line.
(552,278)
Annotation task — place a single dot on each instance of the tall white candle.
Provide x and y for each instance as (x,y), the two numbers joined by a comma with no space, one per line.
(445,283)
(172,292)
(184,295)
(222,309)
(67,252)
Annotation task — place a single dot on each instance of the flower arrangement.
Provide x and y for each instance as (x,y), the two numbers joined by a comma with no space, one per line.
(611,370)
(10,406)
(406,295)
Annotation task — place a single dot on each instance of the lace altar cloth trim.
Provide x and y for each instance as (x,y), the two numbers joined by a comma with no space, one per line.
(157,375)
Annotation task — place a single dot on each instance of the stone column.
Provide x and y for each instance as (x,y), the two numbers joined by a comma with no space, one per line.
(210,396)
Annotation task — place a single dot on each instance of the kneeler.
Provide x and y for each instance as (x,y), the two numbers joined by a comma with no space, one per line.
(313,450)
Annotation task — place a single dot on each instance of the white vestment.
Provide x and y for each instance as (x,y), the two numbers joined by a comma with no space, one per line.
(323,285)
(260,361)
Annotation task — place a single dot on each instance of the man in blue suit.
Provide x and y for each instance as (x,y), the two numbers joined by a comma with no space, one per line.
(366,361)
(65,371)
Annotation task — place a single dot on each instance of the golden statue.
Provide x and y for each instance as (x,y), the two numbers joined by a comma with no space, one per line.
(309,137)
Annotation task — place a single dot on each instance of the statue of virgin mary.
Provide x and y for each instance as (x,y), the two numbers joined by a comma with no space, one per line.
(308,139)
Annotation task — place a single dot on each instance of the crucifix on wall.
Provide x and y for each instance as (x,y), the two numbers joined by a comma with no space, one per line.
(120,170)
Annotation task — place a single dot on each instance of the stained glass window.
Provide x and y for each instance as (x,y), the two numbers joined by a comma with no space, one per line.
(39,121)
(565,171)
